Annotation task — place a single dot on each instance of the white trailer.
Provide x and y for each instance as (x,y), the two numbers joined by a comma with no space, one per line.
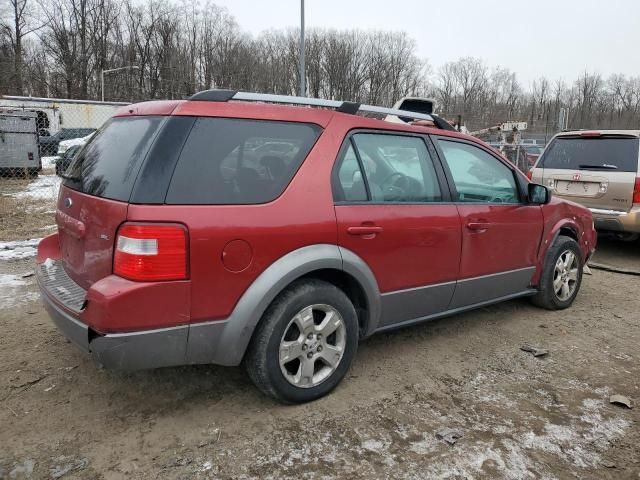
(57,113)
(19,143)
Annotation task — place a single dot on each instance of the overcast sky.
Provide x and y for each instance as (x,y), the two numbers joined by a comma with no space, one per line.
(554,38)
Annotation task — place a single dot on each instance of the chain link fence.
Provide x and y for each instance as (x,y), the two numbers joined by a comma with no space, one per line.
(38,140)
(38,135)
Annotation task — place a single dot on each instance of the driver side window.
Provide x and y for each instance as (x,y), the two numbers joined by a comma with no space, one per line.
(397,169)
(478,176)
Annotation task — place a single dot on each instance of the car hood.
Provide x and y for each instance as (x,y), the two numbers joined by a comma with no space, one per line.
(76,141)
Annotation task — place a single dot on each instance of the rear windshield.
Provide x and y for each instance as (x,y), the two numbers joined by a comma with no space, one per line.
(236,161)
(602,153)
(108,165)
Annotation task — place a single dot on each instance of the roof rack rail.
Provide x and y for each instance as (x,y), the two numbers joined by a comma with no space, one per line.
(340,106)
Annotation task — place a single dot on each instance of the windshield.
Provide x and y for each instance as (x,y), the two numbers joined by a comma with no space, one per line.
(108,165)
(606,153)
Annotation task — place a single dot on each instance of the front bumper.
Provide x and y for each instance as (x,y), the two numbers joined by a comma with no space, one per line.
(617,221)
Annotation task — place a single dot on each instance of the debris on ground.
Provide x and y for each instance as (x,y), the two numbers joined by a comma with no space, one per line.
(23,470)
(621,400)
(65,465)
(614,269)
(449,435)
(537,352)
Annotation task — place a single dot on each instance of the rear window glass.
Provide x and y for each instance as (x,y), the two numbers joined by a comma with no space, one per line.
(236,161)
(108,165)
(608,153)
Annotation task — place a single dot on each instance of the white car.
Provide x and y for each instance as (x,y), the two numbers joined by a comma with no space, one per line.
(64,145)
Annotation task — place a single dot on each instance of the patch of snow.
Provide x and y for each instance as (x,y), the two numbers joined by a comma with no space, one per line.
(373,445)
(12,291)
(19,249)
(49,162)
(45,187)
(426,445)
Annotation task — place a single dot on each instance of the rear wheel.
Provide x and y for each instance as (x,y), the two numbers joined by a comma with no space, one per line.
(305,342)
(561,276)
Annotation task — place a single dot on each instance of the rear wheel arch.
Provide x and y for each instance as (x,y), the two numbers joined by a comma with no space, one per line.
(352,288)
(324,261)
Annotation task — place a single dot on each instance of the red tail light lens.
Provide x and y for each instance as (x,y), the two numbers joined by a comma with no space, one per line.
(636,191)
(530,173)
(151,252)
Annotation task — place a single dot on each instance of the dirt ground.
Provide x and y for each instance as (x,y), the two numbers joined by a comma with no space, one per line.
(520,416)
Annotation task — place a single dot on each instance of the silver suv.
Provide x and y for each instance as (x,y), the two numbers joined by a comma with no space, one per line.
(600,170)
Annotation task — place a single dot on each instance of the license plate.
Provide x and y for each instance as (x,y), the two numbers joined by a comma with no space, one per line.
(583,189)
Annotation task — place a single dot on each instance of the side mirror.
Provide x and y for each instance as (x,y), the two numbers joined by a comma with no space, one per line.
(538,194)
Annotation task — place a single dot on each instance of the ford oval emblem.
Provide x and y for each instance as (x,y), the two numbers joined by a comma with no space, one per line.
(68,202)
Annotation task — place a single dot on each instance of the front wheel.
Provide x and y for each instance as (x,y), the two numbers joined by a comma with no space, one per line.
(305,342)
(561,275)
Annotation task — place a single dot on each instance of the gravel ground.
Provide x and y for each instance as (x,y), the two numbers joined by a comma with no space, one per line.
(518,416)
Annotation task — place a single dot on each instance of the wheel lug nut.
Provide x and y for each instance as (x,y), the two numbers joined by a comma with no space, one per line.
(304,346)
(310,336)
(310,354)
(319,348)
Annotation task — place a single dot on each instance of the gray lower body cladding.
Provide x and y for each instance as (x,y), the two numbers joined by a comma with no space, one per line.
(225,341)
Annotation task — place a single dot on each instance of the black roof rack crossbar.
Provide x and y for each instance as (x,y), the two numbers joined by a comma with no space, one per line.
(214,95)
(340,106)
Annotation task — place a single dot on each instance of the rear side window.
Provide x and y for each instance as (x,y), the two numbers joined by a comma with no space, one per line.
(600,153)
(235,161)
(397,168)
(108,166)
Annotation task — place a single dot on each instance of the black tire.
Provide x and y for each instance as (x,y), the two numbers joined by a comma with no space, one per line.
(262,358)
(628,237)
(546,296)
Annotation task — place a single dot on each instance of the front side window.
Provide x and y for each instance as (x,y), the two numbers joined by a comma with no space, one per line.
(396,169)
(478,176)
(228,161)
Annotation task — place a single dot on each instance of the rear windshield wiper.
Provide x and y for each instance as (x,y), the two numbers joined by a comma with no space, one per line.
(604,166)
(71,177)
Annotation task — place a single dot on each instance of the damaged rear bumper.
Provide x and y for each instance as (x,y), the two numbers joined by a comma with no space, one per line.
(122,351)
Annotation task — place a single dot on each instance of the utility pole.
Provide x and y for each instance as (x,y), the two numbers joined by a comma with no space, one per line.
(303,87)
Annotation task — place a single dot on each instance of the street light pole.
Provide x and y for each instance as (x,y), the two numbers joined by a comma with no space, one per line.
(133,67)
(303,87)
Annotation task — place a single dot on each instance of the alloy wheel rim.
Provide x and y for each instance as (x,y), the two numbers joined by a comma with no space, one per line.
(565,275)
(312,345)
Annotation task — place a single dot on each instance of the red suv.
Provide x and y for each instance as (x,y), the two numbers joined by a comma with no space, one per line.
(217,230)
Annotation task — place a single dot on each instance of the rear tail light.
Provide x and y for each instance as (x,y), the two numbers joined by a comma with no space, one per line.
(151,252)
(636,191)
(530,174)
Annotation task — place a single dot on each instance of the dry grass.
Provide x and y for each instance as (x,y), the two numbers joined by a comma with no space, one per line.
(23,218)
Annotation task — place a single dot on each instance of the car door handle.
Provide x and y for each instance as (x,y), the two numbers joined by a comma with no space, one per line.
(478,226)
(364,230)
